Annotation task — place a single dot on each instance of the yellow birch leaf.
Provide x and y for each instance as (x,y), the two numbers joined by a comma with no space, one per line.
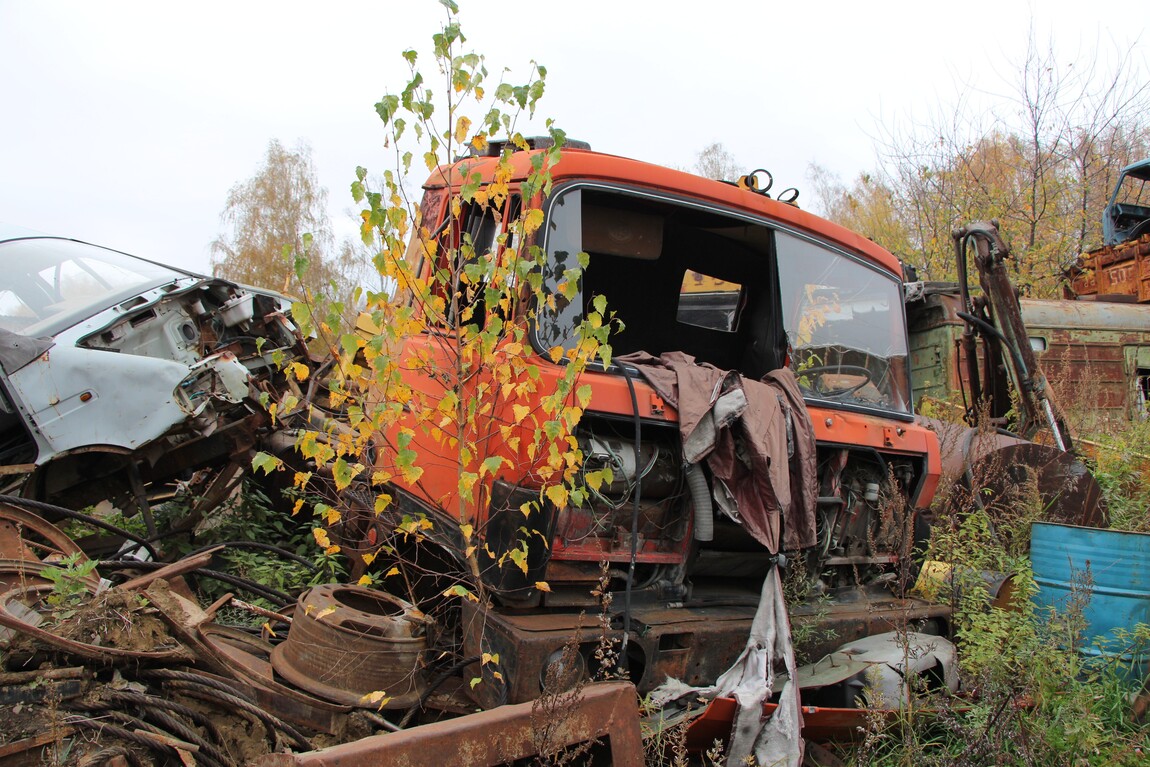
(532,220)
(557,494)
(379,698)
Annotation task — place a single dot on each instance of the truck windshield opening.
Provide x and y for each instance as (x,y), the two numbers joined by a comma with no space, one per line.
(731,291)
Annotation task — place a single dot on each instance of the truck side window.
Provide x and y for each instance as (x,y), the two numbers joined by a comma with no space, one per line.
(482,238)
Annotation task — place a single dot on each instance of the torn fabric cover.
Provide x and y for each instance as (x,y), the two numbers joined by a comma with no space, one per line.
(760,445)
(751,680)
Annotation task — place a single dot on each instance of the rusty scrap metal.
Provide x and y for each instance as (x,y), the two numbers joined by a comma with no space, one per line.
(990,255)
(23,533)
(1067,491)
(28,752)
(347,642)
(247,661)
(177,568)
(60,511)
(606,712)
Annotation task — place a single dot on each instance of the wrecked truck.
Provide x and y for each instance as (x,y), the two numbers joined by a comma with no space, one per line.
(757,412)
(120,376)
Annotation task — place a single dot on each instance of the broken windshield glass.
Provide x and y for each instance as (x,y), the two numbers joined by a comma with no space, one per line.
(729,290)
(844,326)
(50,282)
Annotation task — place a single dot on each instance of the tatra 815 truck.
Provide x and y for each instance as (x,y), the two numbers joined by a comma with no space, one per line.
(757,412)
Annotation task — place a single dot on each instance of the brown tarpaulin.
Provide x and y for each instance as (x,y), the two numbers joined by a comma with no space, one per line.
(763,451)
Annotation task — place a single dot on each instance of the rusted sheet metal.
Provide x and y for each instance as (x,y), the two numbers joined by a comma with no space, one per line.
(1068,492)
(31,752)
(1091,351)
(1085,315)
(606,711)
(1122,270)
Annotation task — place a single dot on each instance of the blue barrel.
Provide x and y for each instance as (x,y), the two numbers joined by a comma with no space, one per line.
(1119,565)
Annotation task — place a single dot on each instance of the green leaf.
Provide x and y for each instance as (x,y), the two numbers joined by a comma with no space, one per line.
(350,343)
(344,472)
(491,465)
(583,395)
(519,557)
(387,107)
(266,462)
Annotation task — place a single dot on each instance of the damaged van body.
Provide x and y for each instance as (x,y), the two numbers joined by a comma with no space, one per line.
(758,410)
(119,373)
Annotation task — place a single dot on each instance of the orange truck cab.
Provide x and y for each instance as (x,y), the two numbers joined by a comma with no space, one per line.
(739,281)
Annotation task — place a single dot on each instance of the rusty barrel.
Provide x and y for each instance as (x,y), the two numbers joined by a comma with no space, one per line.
(1106,574)
(348,642)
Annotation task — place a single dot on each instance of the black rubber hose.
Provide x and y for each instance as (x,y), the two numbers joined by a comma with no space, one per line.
(431,688)
(636,498)
(246,584)
(28,503)
(990,330)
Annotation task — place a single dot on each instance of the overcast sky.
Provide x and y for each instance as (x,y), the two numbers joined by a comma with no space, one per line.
(125,123)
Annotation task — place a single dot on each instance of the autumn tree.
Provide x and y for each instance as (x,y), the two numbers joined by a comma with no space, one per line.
(869,207)
(273,218)
(1042,161)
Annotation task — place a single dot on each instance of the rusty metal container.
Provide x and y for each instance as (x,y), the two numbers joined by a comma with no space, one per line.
(1113,270)
(348,642)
